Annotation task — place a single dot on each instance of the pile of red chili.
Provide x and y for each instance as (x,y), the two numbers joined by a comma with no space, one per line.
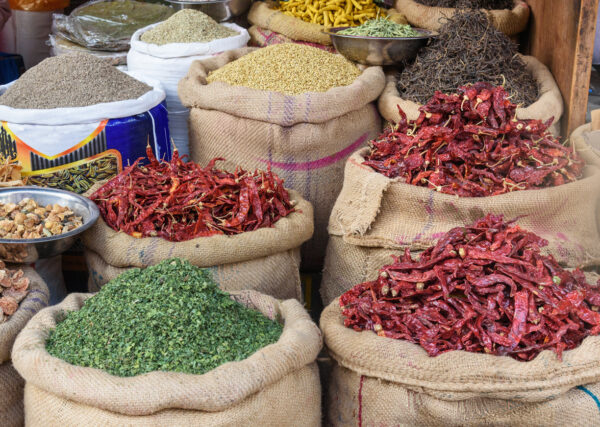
(470,144)
(482,288)
(180,200)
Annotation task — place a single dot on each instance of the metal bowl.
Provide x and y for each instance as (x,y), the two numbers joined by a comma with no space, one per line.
(30,250)
(219,10)
(378,50)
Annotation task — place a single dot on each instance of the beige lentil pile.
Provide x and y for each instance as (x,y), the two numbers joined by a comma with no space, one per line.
(14,287)
(187,26)
(288,68)
(28,220)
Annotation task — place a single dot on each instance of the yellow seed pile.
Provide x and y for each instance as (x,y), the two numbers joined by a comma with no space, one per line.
(332,13)
(288,68)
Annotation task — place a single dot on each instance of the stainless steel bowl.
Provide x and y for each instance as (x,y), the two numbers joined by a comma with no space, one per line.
(219,10)
(30,250)
(378,50)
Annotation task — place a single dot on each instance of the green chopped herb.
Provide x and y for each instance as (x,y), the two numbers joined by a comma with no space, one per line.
(381,27)
(168,317)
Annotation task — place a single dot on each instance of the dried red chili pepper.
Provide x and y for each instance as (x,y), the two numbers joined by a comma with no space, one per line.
(180,200)
(482,288)
(471,144)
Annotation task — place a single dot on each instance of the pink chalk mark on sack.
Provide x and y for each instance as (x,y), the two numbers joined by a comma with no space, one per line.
(562,236)
(319,163)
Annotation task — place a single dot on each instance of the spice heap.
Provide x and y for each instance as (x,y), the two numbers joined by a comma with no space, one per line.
(179,200)
(14,287)
(468,50)
(168,317)
(470,144)
(332,13)
(481,288)
(28,220)
(381,27)
(74,80)
(187,26)
(470,4)
(288,68)
(10,172)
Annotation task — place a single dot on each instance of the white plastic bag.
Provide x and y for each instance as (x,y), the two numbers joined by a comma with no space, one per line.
(169,63)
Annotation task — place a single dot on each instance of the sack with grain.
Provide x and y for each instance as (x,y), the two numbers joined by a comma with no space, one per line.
(266,260)
(305,138)
(261,37)
(11,383)
(375,217)
(548,105)
(277,385)
(510,22)
(456,388)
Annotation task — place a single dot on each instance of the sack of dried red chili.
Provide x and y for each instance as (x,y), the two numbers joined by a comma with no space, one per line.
(548,105)
(305,138)
(434,338)
(11,383)
(245,226)
(375,217)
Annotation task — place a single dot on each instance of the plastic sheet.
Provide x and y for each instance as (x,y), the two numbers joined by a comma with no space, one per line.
(108,25)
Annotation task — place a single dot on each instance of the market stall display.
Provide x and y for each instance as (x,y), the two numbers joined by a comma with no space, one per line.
(61,46)
(455,320)
(166,50)
(432,14)
(245,225)
(303,117)
(22,294)
(468,172)
(74,120)
(182,384)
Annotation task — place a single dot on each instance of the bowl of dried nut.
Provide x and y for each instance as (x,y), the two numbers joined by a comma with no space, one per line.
(37,222)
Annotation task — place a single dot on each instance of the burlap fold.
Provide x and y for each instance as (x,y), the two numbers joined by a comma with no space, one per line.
(548,105)
(265,260)
(304,138)
(510,22)
(382,381)
(375,216)
(261,14)
(277,385)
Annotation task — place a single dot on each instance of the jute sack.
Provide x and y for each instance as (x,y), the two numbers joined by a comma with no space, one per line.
(275,275)
(375,216)
(265,260)
(548,105)
(510,22)
(261,37)
(304,138)
(11,383)
(587,142)
(277,385)
(382,381)
(262,15)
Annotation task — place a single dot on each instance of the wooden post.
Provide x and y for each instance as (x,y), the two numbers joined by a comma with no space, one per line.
(561,35)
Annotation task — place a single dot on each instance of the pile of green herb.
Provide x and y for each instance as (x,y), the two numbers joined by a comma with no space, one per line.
(168,317)
(470,4)
(381,27)
(467,50)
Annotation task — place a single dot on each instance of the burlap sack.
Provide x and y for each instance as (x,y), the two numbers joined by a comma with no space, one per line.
(261,37)
(275,275)
(548,105)
(382,381)
(305,138)
(375,216)
(11,383)
(510,22)
(262,15)
(278,385)
(587,142)
(265,260)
